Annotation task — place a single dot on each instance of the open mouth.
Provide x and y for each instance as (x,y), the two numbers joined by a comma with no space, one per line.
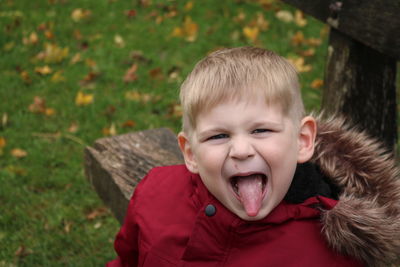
(250,190)
(255,180)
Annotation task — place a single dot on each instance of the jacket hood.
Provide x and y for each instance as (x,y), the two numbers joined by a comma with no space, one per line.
(365,223)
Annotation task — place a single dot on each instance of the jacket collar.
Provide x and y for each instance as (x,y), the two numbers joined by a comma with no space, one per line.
(366,221)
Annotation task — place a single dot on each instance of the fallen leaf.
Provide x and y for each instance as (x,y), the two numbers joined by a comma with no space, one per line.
(49,35)
(110,110)
(110,130)
(45,70)
(76,58)
(130,13)
(67,226)
(49,112)
(4,120)
(31,40)
(156,74)
(58,77)
(284,16)
(19,153)
(299,18)
(77,34)
(89,78)
(140,97)
(119,41)
(240,17)
(188,30)
(260,22)
(176,110)
(298,38)
(188,6)
(25,77)
(299,64)
(16,170)
(22,251)
(73,128)
(91,63)
(129,124)
(53,53)
(251,33)
(314,41)
(83,99)
(38,105)
(308,53)
(80,14)
(130,74)
(98,212)
(317,83)
(2,142)
(97,225)
(9,46)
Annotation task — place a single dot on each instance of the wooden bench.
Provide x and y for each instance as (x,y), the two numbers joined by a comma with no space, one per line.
(360,82)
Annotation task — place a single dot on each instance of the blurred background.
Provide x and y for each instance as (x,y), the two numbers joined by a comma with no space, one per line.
(73,71)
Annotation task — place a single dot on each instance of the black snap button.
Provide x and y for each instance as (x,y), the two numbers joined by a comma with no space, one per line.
(210,210)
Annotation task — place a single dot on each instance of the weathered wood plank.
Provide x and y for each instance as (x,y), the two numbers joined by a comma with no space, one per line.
(116,164)
(361,83)
(375,23)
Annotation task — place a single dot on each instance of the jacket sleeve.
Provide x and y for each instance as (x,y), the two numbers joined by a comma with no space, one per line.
(126,243)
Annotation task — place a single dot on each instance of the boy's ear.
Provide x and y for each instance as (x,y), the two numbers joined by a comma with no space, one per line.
(186,149)
(307,134)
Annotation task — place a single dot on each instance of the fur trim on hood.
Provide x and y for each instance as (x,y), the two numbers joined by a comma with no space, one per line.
(365,223)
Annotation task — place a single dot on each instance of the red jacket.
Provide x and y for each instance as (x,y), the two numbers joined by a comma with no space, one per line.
(166,225)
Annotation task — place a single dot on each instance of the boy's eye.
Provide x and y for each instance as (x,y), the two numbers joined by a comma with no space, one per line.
(261,131)
(217,136)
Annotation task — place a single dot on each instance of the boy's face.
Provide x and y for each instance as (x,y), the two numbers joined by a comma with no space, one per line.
(246,154)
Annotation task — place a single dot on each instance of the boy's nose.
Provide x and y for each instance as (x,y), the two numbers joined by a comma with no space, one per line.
(241,149)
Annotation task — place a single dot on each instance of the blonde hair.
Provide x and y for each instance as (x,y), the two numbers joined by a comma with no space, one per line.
(240,74)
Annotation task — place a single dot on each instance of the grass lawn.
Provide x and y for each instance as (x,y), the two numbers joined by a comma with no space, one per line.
(75,71)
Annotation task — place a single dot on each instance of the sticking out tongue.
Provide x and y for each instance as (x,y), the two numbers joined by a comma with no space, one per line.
(250,190)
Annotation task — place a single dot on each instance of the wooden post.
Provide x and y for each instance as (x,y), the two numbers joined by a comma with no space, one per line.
(360,75)
(360,83)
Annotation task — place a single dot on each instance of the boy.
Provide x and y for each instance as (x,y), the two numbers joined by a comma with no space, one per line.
(259,186)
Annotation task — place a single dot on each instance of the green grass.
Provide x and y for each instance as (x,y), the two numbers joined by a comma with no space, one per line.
(44,196)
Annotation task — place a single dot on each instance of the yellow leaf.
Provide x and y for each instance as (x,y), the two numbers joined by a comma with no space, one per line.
(308,53)
(298,38)
(299,64)
(9,46)
(119,41)
(43,70)
(251,33)
(19,153)
(110,130)
(188,30)
(58,77)
(49,112)
(317,83)
(261,22)
(2,142)
(76,58)
(54,53)
(33,38)
(25,77)
(188,6)
(177,32)
(314,41)
(299,18)
(83,99)
(80,14)
(284,15)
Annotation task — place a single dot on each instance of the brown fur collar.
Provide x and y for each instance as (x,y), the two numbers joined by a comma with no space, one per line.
(365,223)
